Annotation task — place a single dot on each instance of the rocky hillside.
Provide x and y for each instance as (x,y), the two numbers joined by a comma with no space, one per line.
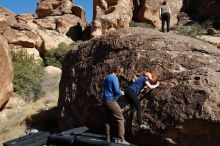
(184,110)
(55,22)
(113,14)
(148,11)
(110,15)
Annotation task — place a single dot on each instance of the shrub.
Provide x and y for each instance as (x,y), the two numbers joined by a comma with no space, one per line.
(140,24)
(27,75)
(55,56)
(192,31)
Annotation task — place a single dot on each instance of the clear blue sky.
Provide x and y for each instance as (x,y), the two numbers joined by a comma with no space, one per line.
(29,6)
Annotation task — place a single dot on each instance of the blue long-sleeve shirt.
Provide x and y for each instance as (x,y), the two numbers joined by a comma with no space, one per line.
(138,84)
(111,88)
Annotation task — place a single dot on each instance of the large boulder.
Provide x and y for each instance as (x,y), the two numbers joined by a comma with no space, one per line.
(110,15)
(6,87)
(4,24)
(79,12)
(51,39)
(6,12)
(54,7)
(28,19)
(67,22)
(148,11)
(184,109)
(45,23)
(7,18)
(51,79)
(23,38)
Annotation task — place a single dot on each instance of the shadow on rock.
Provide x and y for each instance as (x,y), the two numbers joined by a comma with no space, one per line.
(75,32)
(44,121)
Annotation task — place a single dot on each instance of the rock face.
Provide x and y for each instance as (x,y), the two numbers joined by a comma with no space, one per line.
(6,19)
(79,12)
(184,109)
(148,11)
(54,7)
(110,15)
(6,87)
(30,32)
(107,14)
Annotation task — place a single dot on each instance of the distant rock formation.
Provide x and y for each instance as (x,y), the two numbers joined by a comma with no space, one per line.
(183,110)
(110,15)
(6,71)
(54,8)
(44,31)
(80,12)
(148,11)
(107,15)
(36,35)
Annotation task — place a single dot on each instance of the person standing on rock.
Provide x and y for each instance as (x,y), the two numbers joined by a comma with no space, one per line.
(111,108)
(165,16)
(132,92)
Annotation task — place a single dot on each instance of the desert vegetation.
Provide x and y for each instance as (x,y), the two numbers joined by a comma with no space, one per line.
(27,75)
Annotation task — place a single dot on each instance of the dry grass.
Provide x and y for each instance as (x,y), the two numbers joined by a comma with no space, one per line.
(13,121)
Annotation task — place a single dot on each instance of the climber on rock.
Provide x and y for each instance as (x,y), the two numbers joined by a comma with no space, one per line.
(146,80)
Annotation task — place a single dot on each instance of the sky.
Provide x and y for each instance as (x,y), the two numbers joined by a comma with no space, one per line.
(29,6)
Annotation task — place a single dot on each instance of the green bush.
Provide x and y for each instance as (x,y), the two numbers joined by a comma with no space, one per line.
(27,75)
(192,31)
(55,56)
(140,24)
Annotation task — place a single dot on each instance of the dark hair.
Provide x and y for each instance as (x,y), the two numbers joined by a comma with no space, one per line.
(164,2)
(116,69)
